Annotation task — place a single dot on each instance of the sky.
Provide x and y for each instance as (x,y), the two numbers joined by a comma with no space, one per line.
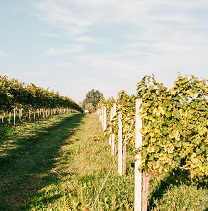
(74,46)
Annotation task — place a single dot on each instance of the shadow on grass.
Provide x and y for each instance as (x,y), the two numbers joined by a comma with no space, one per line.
(175,178)
(26,167)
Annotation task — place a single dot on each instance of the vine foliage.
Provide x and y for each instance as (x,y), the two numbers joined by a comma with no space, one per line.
(175,125)
(14,93)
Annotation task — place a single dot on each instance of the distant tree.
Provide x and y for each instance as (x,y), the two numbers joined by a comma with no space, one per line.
(93,97)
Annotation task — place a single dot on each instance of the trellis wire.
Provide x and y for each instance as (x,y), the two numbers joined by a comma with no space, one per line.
(103,184)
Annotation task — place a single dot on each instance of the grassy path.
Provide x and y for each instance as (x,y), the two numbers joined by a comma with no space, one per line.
(81,168)
(60,165)
(27,155)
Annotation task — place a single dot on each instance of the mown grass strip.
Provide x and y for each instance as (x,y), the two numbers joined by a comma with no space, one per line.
(61,164)
(27,156)
(81,169)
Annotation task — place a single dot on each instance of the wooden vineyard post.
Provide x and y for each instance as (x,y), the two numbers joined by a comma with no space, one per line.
(145,188)
(9,119)
(120,146)
(138,174)
(4,116)
(14,116)
(111,117)
(100,116)
(104,119)
(20,114)
(34,115)
(29,112)
(112,135)
(113,150)
(124,156)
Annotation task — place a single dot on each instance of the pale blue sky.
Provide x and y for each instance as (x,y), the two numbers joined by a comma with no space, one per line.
(73,46)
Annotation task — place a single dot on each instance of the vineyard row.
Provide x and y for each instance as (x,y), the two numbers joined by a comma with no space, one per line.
(20,101)
(167,130)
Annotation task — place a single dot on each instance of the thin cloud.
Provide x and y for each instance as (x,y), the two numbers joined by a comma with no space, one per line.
(129,39)
(153,19)
(49,66)
(63,64)
(60,51)
(89,12)
(55,13)
(48,34)
(85,39)
(4,54)
(117,68)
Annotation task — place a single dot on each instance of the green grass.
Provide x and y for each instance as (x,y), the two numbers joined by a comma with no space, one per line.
(61,164)
(176,191)
(81,170)
(27,155)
